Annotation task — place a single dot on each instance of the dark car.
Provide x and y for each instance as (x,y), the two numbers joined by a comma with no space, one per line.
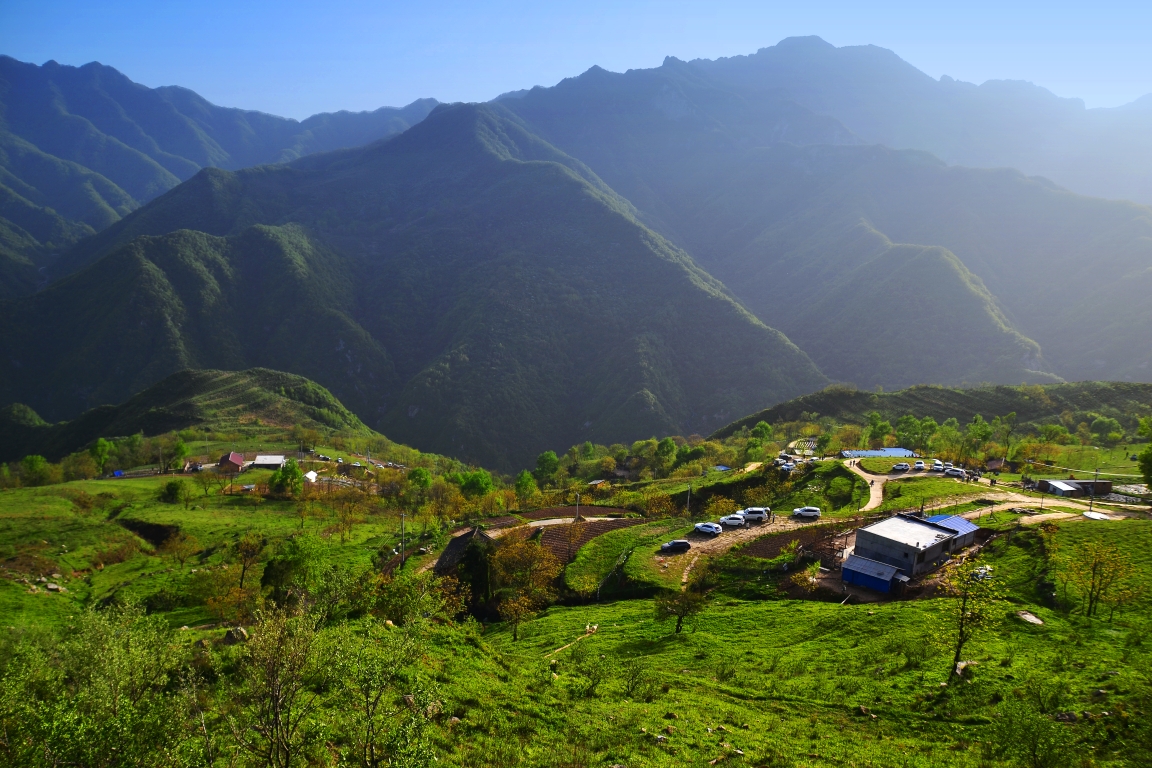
(677,545)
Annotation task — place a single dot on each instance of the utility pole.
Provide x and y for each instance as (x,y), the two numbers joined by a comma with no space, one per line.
(577,508)
(688,506)
(1096,477)
(403,540)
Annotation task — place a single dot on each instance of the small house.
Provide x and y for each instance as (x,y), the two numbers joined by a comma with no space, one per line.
(231,463)
(268,462)
(871,574)
(913,545)
(965,530)
(311,476)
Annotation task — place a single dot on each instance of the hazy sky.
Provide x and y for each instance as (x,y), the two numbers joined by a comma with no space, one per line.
(297,58)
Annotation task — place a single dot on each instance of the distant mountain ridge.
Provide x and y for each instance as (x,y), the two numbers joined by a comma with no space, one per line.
(81,147)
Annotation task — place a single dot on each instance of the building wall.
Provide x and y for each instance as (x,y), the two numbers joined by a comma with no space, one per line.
(903,556)
(864,580)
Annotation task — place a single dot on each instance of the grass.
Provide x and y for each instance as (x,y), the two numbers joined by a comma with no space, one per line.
(785,678)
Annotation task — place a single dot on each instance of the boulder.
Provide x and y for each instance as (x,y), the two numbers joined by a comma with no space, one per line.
(235,635)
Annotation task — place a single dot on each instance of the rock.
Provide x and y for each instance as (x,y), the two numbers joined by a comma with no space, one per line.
(453,721)
(202,643)
(555,676)
(660,739)
(51,587)
(388,623)
(409,700)
(708,729)
(739,752)
(722,729)
(671,716)
(669,729)
(422,551)
(184,628)
(57,576)
(1099,693)
(864,710)
(1066,717)
(235,635)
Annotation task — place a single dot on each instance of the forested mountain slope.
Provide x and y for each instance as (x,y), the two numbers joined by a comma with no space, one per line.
(1032,404)
(218,401)
(465,287)
(80,147)
(888,267)
(1000,123)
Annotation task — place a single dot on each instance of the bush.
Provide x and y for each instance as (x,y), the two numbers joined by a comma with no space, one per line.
(172,492)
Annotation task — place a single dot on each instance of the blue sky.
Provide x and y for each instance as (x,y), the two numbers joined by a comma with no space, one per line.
(295,58)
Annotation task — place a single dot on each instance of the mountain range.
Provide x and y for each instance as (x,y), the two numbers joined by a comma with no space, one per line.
(620,255)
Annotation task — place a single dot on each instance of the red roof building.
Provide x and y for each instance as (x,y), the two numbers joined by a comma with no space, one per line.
(231,462)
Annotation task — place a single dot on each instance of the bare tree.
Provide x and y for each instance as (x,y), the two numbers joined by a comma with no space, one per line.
(275,701)
(180,547)
(974,595)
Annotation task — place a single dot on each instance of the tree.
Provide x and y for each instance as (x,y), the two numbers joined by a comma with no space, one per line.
(1102,426)
(908,432)
(807,579)
(1030,739)
(971,608)
(762,431)
(526,572)
(1007,427)
(547,464)
(35,470)
(1144,461)
(173,491)
(370,666)
(179,453)
(682,604)
(420,478)
(288,480)
(928,428)
(275,702)
(476,483)
(1098,570)
(248,551)
(977,433)
(99,453)
(180,547)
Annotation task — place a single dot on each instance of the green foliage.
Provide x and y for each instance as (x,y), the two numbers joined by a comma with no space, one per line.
(173,491)
(420,478)
(525,486)
(546,465)
(287,480)
(1145,464)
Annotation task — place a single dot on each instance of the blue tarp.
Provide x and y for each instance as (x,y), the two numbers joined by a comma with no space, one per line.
(881,453)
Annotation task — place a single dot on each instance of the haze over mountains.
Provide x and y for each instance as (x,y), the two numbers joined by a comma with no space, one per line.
(605,259)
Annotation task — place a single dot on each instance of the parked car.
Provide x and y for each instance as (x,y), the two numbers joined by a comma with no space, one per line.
(812,512)
(712,529)
(355,463)
(955,472)
(322,457)
(901,467)
(339,460)
(947,466)
(919,465)
(736,519)
(676,545)
(759,514)
(937,466)
(788,467)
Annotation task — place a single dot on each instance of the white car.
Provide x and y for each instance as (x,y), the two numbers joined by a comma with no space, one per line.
(955,472)
(937,466)
(788,467)
(947,466)
(812,512)
(759,514)
(919,465)
(712,529)
(901,467)
(736,520)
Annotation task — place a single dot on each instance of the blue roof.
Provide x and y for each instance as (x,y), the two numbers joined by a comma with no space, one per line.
(721,468)
(954,523)
(881,453)
(871,568)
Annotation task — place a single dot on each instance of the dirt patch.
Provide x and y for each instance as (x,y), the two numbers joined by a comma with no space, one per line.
(585,511)
(564,543)
(153,533)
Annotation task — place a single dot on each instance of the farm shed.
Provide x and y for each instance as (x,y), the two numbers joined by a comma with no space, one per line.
(870,574)
(965,531)
(268,462)
(913,545)
(1075,487)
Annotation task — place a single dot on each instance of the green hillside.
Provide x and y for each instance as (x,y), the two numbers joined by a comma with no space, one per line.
(216,401)
(82,147)
(465,288)
(1033,404)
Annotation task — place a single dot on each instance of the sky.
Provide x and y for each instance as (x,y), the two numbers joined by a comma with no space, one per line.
(297,58)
